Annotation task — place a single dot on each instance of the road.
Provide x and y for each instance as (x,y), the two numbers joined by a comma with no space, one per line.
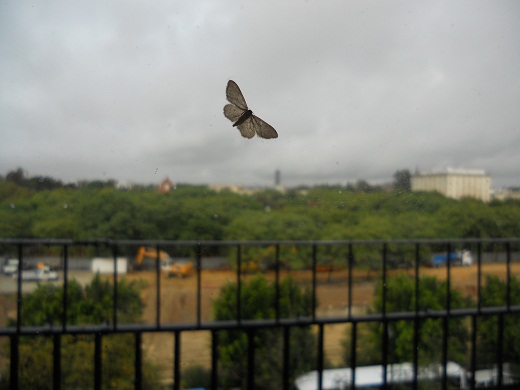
(9,285)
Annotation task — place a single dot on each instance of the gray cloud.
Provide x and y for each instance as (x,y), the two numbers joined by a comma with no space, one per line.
(134,91)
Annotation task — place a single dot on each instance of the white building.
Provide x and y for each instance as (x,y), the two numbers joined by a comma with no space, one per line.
(455,183)
(507,193)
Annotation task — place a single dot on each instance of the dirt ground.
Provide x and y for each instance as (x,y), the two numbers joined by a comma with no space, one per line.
(178,305)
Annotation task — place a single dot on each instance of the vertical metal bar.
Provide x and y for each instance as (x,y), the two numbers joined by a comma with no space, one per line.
(445,352)
(138,384)
(286,357)
(177,362)
(56,369)
(384,344)
(14,363)
(277,282)
(314,263)
(415,350)
(199,270)
(508,278)
(384,353)
(251,359)
(383,286)
(115,301)
(353,355)
(479,276)
(19,289)
(97,361)
(350,264)
(214,359)
(320,356)
(65,287)
(445,334)
(500,344)
(416,320)
(239,285)
(448,277)
(157,287)
(417,294)
(473,362)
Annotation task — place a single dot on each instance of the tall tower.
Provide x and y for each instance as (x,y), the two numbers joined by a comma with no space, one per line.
(277,178)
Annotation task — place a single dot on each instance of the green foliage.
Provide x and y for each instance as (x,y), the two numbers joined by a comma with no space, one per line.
(258,302)
(99,210)
(400,297)
(402,180)
(196,377)
(494,293)
(92,304)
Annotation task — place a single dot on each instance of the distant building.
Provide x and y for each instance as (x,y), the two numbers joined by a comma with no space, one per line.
(166,186)
(237,189)
(507,193)
(455,183)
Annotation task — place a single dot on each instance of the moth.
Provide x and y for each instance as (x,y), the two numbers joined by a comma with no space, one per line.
(238,112)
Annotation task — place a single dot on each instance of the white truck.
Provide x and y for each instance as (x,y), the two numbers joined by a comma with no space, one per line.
(42,273)
(10,267)
(38,275)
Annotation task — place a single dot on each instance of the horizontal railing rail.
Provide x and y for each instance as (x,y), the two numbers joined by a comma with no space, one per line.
(410,252)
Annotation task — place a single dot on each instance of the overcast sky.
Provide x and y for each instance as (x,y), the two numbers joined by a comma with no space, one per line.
(134,90)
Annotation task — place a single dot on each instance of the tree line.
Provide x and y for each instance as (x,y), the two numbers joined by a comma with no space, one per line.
(100,210)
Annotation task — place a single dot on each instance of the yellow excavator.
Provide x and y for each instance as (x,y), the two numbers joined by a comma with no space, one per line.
(150,254)
(179,268)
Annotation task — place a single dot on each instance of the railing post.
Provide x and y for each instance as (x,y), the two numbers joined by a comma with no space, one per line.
(314,264)
(508,277)
(251,359)
(286,357)
(353,355)
(15,361)
(350,264)
(158,287)
(115,300)
(277,282)
(65,287)
(214,359)
(479,276)
(416,319)
(239,285)
(198,253)
(138,361)
(500,350)
(448,278)
(19,289)
(56,377)
(384,344)
(98,359)
(177,361)
(473,363)
(320,356)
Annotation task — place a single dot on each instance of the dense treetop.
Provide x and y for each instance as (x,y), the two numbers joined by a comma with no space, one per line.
(30,209)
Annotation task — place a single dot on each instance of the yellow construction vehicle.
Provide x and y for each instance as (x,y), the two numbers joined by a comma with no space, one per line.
(170,267)
(181,268)
(151,254)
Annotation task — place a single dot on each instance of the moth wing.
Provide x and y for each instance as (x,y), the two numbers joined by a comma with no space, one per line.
(247,128)
(262,128)
(232,112)
(234,95)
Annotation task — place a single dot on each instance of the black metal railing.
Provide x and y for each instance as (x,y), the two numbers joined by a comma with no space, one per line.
(374,258)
